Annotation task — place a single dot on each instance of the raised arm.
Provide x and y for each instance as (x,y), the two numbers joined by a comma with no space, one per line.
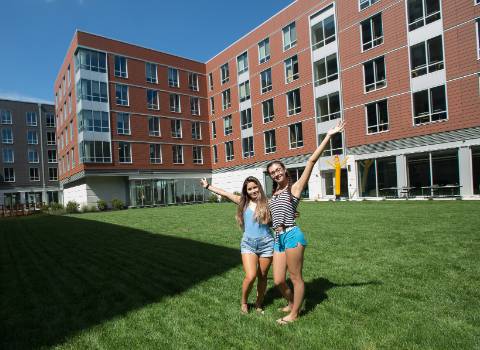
(300,184)
(233,197)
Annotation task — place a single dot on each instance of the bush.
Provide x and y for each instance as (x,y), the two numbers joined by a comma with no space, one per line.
(213,198)
(84,208)
(72,207)
(117,204)
(93,208)
(44,208)
(56,206)
(102,205)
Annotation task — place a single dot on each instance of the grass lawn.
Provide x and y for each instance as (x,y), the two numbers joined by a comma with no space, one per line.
(379,275)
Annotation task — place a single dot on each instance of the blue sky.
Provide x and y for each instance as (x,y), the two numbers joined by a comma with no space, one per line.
(35,34)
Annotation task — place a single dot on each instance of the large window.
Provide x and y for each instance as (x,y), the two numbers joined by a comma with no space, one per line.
(177,151)
(225,73)
(334,145)
(242,63)
(151,72)
(5,117)
(197,152)
(34,174)
(429,105)
(377,177)
(294,104)
(95,152)
(210,81)
(124,152)
(227,125)
(50,120)
(52,174)
(291,69)
(422,12)
(195,105)
(51,138)
(91,60)
(7,135)
(326,70)
(32,137)
(289,36)
(52,155)
(91,90)
(328,107)
(296,135)
(152,99)
(476,169)
(367,3)
(123,123)
(212,105)
(226,101)
(173,77)
(374,72)
(270,142)
(176,126)
(193,81)
(8,175)
(246,118)
(266,80)
(8,155)
(264,50)
(175,103)
(120,67)
(214,130)
(121,94)
(229,154)
(31,118)
(155,153)
(93,121)
(323,32)
(247,147)
(426,57)
(268,111)
(196,131)
(377,117)
(215,154)
(244,91)
(154,126)
(372,32)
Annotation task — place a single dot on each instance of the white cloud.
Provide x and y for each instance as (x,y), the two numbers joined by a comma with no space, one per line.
(14,96)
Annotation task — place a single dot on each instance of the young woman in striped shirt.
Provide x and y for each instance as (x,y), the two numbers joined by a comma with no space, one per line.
(290,242)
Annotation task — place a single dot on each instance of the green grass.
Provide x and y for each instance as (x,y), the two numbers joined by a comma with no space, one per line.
(379,275)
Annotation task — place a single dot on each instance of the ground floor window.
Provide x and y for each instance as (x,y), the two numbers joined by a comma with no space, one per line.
(329,178)
(476,169)
(295,173)
(376,176)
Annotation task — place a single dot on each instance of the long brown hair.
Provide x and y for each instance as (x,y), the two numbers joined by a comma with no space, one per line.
(287,174)
(262,214)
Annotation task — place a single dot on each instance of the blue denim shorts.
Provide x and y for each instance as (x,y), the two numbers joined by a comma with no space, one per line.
(262,246)
(289,239)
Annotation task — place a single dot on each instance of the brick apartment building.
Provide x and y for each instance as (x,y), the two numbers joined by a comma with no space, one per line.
(143,126)
(29,172)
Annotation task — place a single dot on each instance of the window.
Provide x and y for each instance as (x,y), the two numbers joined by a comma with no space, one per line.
(294,104)
(93,121)
(8,155)
(5,117)
(215,154)
(91,60)
(175,103)
(227,125)
(328,107)
(33,156)
(268,111)
(173,78)
(8,175)
(124,152)
(242,63)
(374,74)
(289,36)
(52,174)
(121,93)
(247,147)
(154,126)
(264,50)
(31,118)
(51,138)
(291,69)
(151,72)
(32,137)
(34,174)
(210,80)
(155,153)
(334,145)
(377,117)
(72,158)
(177,154)
(323,33)
(95,152)
(478,35)
(229,155)
(372,32)
(426,57)
(52,155)
(422,12)
(429,105)
(176,125)
(120,67)
(193,81)
(123,123)
(296,135)
(69,79)
(152,99)
(214,130)
(246,118)
(69,103)
(90,90)
(270,143)
(212,105)
(244,91)
(197,155)
(226,102)
(367,3)
(225,73)
(195,105)
(196,131)
(266,80)
(326,70)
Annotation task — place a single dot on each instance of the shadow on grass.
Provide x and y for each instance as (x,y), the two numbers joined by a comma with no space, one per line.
(315,292)
(61,275)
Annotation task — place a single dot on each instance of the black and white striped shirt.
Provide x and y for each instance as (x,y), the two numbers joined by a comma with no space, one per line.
(282,209)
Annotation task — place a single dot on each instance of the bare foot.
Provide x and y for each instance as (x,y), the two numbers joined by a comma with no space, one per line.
(286,320)
(244,308)
(287,308)
(259,309)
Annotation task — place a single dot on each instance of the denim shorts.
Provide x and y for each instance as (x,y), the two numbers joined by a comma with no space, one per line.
(289,239)
(262,246)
